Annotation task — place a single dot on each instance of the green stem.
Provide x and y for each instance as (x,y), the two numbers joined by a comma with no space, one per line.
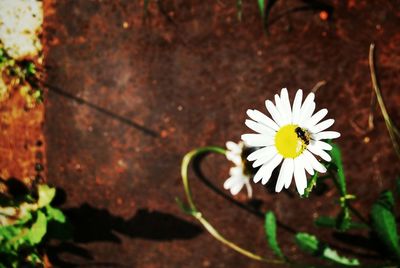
(239,8)
(345,203)
(198,215)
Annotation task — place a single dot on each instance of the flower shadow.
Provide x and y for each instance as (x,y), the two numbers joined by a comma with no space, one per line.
(91,224)
(252,206)
(94,224)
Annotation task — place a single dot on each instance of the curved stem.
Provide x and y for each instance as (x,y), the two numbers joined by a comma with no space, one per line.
(197,214)
(392,129)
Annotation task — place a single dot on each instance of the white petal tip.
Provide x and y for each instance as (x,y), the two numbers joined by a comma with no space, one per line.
(256,180)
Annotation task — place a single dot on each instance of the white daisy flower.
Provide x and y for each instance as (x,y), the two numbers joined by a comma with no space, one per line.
(239,176)
(293,135)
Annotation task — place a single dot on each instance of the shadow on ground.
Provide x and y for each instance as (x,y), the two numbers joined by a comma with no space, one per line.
(91,224)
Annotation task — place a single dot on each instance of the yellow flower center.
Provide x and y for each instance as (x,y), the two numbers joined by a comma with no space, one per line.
(289,143)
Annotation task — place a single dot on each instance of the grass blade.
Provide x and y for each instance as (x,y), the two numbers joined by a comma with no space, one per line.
(394,133)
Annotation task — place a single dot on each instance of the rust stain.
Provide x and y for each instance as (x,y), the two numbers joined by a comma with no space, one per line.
(22,143)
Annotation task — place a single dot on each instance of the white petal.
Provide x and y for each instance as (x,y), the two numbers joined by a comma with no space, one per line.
(296,106)
(306,114)
(314,162)
(249,189)
(326,135)
(290,169)
(236,188)
(261,152)
(286,104)
(285,173)
(316,118)
(236,171)
(266,157)
(265,170)
(322,145)
(230,145)
(260,172)
(234,157)
(236,182)
(262,118)
(279,106)
(306,164)
(274,113)
(300,176)
(271,165)
(307,102)
(258,139)
(322,126)
(260,128)
(318,151)
(230,182)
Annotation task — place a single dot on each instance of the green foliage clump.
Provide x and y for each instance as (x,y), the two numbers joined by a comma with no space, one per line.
(25,225)
(21,74)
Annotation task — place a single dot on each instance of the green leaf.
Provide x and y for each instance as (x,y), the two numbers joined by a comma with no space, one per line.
(270,232)
(38,229)
(38,95)
(384,222)
(325,221)
(13,236)
(261,7)
(54,214)
(330,222)
(10,238)
(337,161)
(34,259)
(30,68)
(308,243)
(46,195)
(332,255)
(312,245)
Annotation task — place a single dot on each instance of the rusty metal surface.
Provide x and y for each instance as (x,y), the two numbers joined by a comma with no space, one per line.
(127,99)
(22,145)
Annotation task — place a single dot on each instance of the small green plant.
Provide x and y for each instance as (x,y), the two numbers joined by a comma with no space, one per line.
(25,224)
(23,75)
